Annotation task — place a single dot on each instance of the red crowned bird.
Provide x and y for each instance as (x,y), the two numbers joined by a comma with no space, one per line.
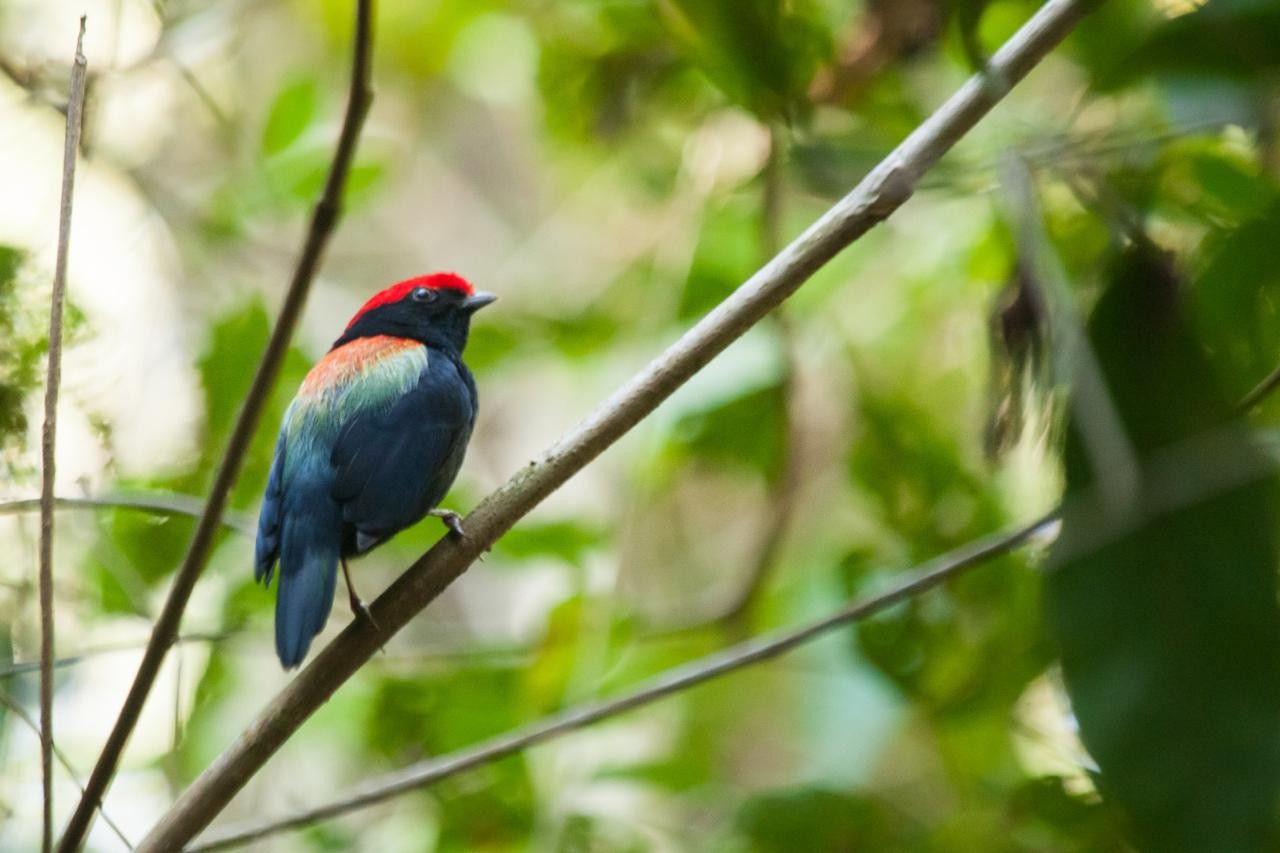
(369,446)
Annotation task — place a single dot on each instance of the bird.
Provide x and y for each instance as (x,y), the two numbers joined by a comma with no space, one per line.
(369,446)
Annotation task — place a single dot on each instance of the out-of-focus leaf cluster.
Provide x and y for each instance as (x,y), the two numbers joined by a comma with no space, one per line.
(20,357)
(602,165)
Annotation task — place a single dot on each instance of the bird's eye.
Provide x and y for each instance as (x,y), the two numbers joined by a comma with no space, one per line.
(423,294)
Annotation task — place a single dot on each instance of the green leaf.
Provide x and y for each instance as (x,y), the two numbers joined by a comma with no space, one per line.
(569,540)
(968,16)
(25,342)
(227,368)
(1238,191)
(1228,38)
(918,475)
(746,431)
(1168,628)
(760,53)
(548,676)
(727,253)
(297,176)
(818,819)
(430,714)
(1236,305)
(292,112)
(412,716)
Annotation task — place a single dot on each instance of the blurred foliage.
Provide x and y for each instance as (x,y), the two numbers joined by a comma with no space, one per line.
(1169,633)
(601,166)
(20,357)
(760,53)
(136,552)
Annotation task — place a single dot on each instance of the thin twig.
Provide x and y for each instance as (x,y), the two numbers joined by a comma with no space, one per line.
(49,435)
(323,220)
(874,199)
(1260,391)
(16,669)
(680,678)
(157,503)
(21,713)
(203,94)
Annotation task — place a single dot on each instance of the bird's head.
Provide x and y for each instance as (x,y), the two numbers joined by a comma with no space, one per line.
(435,309)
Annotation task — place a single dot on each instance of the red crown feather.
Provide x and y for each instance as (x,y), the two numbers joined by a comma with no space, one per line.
(398,291)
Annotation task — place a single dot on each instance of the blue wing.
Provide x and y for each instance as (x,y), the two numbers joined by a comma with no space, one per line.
(299,525)
(393,465)
(267,548)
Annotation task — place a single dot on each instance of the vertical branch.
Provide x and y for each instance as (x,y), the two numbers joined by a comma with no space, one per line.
(782,497)
(75,111)
(323,220)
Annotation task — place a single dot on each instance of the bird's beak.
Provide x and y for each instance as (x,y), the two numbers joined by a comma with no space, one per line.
(477,301)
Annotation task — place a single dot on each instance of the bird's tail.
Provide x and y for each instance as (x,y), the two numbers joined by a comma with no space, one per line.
(309,548)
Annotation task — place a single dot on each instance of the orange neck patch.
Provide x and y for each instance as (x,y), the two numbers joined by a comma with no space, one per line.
(352,360)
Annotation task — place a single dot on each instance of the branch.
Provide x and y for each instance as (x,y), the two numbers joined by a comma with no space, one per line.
(781,504)
(1260,391)
(879,194)
(323,220)
(680,678)
(49,435)
(15,669)
(158,503)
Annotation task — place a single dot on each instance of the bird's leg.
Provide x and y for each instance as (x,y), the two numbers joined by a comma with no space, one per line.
(358,607)
(451,520)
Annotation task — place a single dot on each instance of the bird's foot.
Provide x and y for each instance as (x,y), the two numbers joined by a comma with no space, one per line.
(361,611)
(451,520)
(358,608)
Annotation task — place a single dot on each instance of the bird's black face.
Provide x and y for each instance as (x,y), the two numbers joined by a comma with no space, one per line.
(437,316)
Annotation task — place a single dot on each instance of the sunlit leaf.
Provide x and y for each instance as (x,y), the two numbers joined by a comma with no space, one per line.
(816,819)
(568,540)
(291,113)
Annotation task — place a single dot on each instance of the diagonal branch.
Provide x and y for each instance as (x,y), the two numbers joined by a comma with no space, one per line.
(784,495)
(323,220)
(680,678)
(49,435)
(875,198)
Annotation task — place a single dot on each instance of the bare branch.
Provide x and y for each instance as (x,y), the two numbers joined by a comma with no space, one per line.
(875,198)
(158,503)
(49,435)
(680,678)
(323,220)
